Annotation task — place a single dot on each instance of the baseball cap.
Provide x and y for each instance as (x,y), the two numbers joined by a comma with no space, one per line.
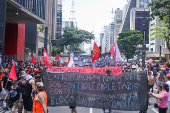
(37,76)
(149,71)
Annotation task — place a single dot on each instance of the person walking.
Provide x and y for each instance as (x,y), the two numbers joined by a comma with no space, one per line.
(5,84)
(15,96)
(168,82)
(40,101)
(162,98)
(29,87)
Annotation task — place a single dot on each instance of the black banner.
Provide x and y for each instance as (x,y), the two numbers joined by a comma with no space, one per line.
(127,91)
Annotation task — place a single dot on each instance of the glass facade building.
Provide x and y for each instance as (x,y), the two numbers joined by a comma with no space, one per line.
(35,6)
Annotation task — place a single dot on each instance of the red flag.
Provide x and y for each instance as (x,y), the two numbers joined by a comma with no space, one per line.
(57,57)
(46,59)
(33,60)
(113,52)
(96,53)
(12,74)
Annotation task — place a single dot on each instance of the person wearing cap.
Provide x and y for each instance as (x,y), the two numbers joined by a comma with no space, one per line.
(162,98)
(15,96)
(29,87)
(168,82)
(151,82)
(40,101)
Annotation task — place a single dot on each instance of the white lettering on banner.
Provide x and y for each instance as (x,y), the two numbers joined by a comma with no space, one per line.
(122,92)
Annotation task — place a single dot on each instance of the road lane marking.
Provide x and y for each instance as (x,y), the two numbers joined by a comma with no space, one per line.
(155,110)
(91,111)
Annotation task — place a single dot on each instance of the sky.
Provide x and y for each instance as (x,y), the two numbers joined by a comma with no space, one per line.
(92,15)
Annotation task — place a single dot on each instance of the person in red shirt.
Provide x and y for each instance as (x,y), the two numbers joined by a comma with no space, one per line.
(165,66)
(1,75)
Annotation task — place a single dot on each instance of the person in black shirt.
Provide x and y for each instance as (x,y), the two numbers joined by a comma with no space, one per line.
(29,87)
(108,71)
(15,95)
(21,84)
(5,84)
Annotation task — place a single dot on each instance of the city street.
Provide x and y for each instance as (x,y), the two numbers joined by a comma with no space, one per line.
(66,109)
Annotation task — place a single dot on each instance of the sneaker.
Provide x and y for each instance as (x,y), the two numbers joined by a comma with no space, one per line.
(103,111)
(110,111)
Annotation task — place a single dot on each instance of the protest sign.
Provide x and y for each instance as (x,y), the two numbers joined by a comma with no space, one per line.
(114,70)
(127,91)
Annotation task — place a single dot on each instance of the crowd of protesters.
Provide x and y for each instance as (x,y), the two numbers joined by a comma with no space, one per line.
(25,92)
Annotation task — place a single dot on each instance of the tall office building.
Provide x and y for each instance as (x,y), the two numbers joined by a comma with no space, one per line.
(104,40)
(59,18)
(111,32)
(118,23)
(138,18)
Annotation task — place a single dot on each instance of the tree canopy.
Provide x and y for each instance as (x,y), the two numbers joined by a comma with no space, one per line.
(160,8)
(128,41)
(75,49)
(40,28)
(161,31)
(55,50)
(74,36)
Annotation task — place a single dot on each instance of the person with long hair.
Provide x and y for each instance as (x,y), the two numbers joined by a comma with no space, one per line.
(162,98)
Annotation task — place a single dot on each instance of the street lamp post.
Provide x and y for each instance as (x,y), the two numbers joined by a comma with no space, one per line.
(144,45)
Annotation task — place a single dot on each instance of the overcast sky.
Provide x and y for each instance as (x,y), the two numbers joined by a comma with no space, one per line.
(92,15)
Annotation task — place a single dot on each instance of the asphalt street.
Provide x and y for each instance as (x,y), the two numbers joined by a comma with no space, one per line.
(66,109)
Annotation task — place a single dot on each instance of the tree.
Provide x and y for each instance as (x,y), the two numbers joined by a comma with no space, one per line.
(40,28)
(160,8)
(73,37)
(128,40)
(161,31)
(75,49)
(55,50)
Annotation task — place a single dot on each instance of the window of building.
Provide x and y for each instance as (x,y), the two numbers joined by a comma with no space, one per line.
(151,49)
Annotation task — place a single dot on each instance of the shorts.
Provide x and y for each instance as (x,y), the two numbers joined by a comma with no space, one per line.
(150,87)
(15,104)
(168,105)
(28,102)
(72,107)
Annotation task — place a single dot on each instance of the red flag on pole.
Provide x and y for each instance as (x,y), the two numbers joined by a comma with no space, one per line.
(12,74)
(57,57)
(46,59)
(33,60)
(96,53)
(113,52)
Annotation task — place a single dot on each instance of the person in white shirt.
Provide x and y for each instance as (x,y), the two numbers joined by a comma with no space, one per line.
(168,82)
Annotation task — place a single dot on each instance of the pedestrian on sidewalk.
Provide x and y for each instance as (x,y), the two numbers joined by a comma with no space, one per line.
(168,82)
(162,98)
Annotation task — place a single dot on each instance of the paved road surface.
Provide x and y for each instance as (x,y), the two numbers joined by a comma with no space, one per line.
(65,109)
